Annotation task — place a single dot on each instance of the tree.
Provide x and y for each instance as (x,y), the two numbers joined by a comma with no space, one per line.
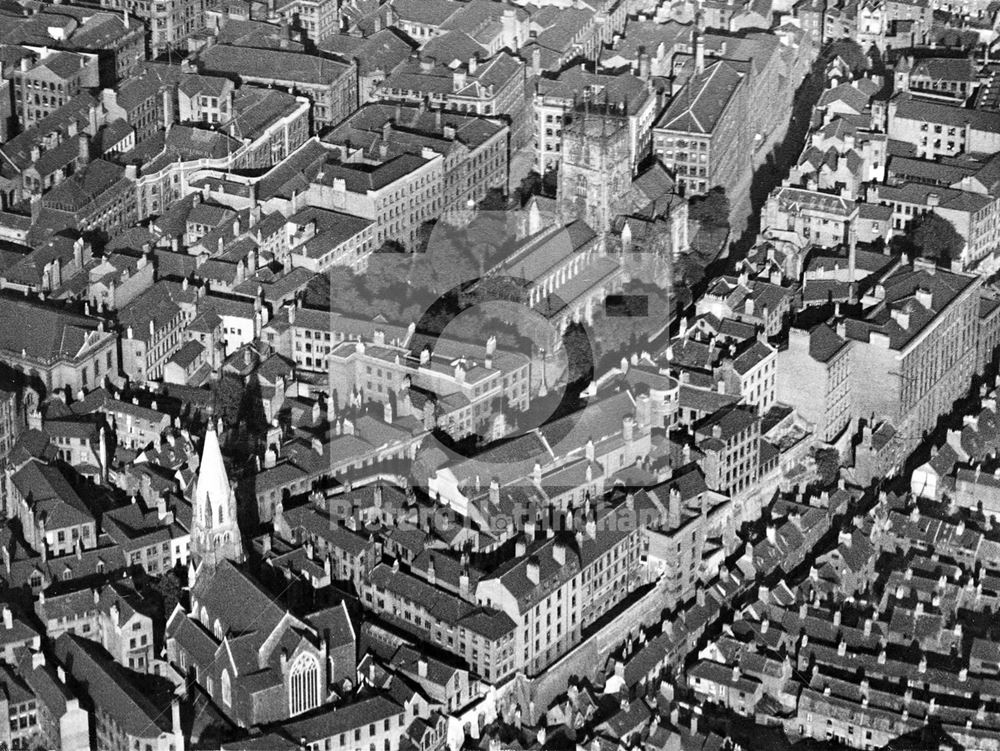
(934,237)
(827,466)
(711,209)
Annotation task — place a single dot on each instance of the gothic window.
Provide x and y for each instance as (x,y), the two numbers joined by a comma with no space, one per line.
(227,691)
(303,684)
(217,628)
(581,186)
(220,514)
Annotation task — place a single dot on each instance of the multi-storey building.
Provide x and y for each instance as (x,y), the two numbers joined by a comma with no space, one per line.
(60,721)
(817,217)
(154,326)
(124,715)
(332,86)
(974,216)
(76,442)
(469,383)
(946,77)
(170,22)
(814,377)
(53,517)
(840,20)
(484,637)
(375,721)
(397,194)
(59,349)
(913,351)
(474,148)
(703,135)
(149,535)
(100,198)
(553,590)
(204,99)
(50,267)
(495,88)
(315,20)
(265,127)
(118,40)
(750,373)
(938,129)
(320,239)
(24,174)
(46,80)
(146,99)
(730,440)
(116,617)
(556,103)
(812,16)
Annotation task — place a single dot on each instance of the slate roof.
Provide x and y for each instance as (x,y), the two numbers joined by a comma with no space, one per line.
(909,107)
(901,289)
(112,687)
(701,105)
(270,64)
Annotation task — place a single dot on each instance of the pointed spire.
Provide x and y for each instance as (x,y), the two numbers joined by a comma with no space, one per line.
(213,480)
(215,533)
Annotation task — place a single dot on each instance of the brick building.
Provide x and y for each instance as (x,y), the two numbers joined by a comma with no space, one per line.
(703,135)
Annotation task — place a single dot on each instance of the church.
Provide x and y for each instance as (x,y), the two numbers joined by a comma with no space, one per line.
(258,661)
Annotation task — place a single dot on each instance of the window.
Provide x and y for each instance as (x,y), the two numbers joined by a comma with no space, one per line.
(303,684)
(227,695)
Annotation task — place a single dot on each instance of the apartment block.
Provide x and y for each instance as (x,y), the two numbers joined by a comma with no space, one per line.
(814,376)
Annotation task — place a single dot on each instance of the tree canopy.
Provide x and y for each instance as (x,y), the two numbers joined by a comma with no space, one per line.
(934,237)
(711,209)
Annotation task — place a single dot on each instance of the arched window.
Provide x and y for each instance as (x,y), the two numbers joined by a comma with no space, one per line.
(217,628)
(220,513)
(303,684)
(204,617)
(227,690)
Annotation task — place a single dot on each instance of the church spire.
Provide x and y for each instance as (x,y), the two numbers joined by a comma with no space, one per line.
(215,533)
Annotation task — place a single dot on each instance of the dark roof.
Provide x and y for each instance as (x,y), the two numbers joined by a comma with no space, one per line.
(913,108)
(112,688)
(271,64)
(44,333)
(699,107)
(824,343)
(913,297)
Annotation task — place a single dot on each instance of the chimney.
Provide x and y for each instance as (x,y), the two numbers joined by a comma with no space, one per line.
(559,553)
(422,667)
(8,618)
(532,570)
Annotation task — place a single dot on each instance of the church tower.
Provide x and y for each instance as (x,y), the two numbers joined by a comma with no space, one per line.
(596,167)
(215,533)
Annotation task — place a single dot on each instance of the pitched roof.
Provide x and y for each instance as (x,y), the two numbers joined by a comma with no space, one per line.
(271,64)
(112,688)
(699,107)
